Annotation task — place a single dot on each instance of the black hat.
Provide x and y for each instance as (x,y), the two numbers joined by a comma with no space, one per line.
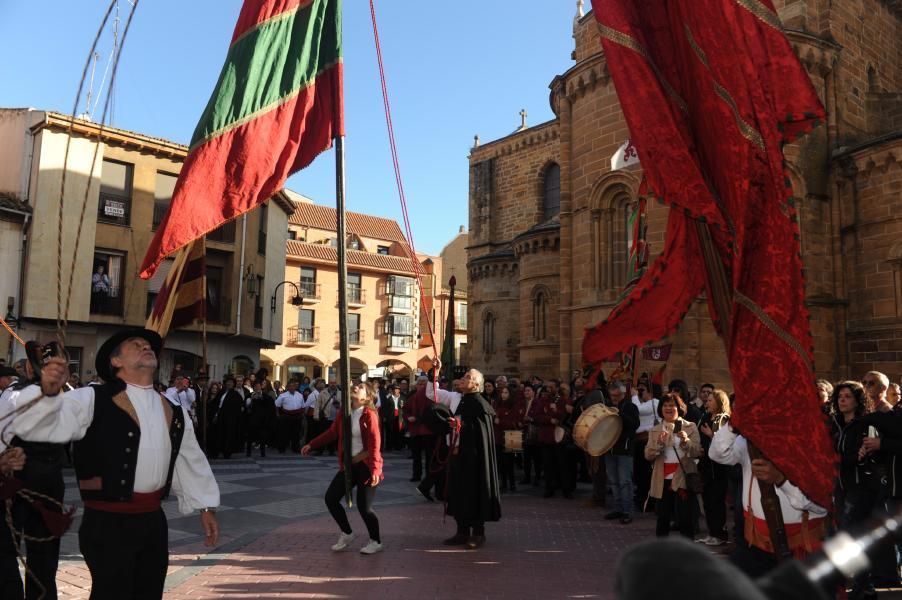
(102,361)
(8,372)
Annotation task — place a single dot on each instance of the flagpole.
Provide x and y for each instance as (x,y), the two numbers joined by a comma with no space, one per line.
(344,360)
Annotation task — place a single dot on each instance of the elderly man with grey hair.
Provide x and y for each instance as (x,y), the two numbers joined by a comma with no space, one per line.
(473,494)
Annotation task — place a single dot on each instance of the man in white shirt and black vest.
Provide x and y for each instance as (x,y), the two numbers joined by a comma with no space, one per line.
(132,445)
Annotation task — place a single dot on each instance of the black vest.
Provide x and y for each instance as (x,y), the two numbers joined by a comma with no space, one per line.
(106,457)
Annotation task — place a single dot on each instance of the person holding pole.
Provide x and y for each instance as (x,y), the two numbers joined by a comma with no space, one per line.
(366,469)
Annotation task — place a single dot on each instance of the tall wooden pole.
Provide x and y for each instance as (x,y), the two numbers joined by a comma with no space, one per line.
(344,360)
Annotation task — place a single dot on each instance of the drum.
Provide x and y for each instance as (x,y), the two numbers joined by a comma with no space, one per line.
(561,434)
(513,440)
(597,429)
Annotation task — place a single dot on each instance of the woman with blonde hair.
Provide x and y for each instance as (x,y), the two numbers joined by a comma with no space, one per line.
(366,468)
(672,446)
(715,476)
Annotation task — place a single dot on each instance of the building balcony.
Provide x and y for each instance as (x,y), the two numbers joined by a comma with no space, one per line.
(224,234)
(398,304)
(107,302)
(310,292)
(356,296)
(356,337)
(399,344)
(303,336)
(219,313)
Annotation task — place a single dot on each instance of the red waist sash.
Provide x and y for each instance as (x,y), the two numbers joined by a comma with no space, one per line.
(140,503)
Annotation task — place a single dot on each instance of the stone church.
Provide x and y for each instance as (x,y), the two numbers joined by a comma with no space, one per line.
(549,241)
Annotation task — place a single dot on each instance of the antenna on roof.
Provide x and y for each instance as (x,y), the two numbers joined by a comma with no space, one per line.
(87,114)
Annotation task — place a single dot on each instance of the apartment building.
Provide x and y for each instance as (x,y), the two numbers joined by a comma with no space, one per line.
(118,185)
(383,297)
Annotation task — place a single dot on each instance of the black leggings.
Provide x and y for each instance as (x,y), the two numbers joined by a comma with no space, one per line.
(365,496)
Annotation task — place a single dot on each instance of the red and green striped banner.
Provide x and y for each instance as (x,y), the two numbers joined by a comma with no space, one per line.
(277,105)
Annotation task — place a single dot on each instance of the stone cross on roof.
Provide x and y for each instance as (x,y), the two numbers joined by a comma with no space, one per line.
(523,115)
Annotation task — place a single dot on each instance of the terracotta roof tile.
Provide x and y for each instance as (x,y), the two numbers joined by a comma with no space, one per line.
(307,214)
(321,252)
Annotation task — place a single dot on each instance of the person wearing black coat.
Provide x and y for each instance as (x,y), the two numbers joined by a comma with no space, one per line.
(229,419)
(260,419)
(474,493)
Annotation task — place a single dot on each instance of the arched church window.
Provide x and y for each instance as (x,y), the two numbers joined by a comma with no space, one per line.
(488,332)
(551,197)
(539,315)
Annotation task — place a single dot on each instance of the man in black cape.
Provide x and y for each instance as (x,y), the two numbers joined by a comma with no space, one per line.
(474,495)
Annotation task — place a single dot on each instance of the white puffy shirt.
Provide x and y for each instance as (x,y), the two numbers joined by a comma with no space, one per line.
(67,416)
(291,401)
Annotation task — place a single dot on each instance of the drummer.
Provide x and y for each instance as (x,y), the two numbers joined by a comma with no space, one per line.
(509,415)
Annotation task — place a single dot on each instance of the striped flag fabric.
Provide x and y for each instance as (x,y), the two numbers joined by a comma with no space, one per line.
(181,299)
(277,105)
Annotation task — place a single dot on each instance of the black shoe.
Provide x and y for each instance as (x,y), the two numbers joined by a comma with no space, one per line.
(548,494)
(568,495)
(626,520)
(613,515)
(458,539)
(475,541)
(425,494)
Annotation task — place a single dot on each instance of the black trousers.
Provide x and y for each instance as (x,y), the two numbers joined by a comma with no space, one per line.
(421,448)
(292,430)
(558,473)
(714,496)
(532,458)
(506,469)
(670,504)
(365,496)
(127,554)
(42,557)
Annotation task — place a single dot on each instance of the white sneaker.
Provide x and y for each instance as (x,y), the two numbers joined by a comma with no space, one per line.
(704,539)
(343,540)
(713,541)
(371,548)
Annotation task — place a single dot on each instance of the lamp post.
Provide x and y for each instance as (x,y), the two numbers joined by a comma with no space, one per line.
(296,300)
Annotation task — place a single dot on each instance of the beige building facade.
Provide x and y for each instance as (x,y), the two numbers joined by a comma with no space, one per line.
(388,336)
(549,242)
(117,188)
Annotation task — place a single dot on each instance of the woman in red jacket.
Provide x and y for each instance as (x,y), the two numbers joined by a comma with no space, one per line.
(367,467)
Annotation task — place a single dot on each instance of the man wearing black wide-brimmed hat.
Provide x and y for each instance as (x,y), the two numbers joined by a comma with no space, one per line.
(132,446)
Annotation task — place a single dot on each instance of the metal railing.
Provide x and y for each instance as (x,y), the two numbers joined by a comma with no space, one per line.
(219,313)
(159,211)
(114,209)
(225,233)
(107,302)
(356,337)
(302,335)
(309,291)
(356,295)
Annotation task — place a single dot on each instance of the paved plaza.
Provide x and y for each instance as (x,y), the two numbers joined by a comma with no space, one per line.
(276,536)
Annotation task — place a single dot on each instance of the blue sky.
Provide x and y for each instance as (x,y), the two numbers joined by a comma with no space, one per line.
(454,69)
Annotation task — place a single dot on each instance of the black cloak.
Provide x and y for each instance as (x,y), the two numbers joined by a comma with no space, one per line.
(474,495)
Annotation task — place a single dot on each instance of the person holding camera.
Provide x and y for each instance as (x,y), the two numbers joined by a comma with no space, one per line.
(672,446)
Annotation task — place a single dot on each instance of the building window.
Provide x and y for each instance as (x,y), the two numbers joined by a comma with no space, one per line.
(74,353)
(539,315)
(488,332)
(382,250)
(400,292)
(551,196)
(261,234)
(106,283)
(115,193)
(399,331)
(162,196)
(355,336)
(218,308)
(308,283)
(461,315)
(355,289)
(258,306)
(306,323)
(292,234)
(225,233)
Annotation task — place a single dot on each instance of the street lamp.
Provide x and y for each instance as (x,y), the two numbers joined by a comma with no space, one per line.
(296,300)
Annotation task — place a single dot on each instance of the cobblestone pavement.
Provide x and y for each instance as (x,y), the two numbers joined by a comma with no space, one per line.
(276,538)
